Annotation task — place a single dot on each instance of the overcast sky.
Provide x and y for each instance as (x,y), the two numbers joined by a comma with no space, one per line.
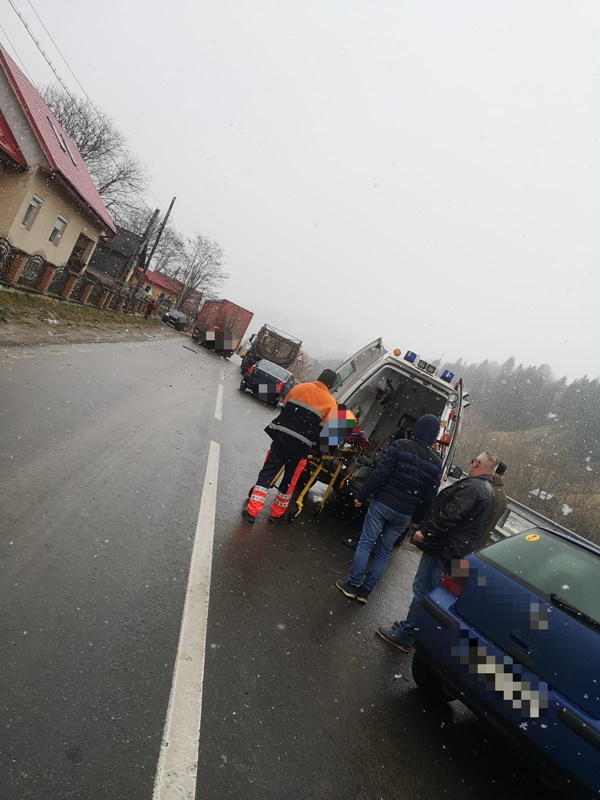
(427,172)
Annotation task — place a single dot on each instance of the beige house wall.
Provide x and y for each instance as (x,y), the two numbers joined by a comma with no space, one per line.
(16,192)
(156,290)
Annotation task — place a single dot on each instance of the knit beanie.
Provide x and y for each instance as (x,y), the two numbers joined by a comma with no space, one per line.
(426,428)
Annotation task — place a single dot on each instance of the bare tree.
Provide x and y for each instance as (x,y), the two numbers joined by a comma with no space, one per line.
(308,370)
(170,254)
(200,268)
(118,175)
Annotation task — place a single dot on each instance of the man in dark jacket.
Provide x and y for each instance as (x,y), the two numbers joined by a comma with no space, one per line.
(306,410)
(500,503)
(459,515)
(404,484)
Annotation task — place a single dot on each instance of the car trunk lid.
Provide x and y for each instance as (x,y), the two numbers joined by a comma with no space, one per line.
(527,572)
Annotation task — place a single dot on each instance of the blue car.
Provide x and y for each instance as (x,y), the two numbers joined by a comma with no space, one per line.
(514,633)
(268,381)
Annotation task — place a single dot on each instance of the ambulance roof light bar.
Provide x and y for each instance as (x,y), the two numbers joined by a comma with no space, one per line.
(428,368)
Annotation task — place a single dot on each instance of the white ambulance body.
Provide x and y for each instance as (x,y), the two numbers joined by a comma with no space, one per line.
(387,393)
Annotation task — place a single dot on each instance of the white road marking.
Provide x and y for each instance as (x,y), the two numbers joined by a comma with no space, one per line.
(222,373)
(178,762)
(219,406)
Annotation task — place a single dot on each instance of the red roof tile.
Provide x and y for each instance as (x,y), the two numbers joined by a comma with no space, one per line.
(60,151)
(164,281)
(8,143)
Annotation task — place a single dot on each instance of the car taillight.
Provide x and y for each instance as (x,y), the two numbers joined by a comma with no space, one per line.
(279,386)
(250,370)
(451,585)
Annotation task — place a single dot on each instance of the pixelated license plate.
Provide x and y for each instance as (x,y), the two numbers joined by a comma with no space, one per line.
(509,683)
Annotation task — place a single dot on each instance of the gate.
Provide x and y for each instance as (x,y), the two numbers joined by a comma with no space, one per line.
(78,289)
(59,281)
(5,255)
(96,294)
(33,270)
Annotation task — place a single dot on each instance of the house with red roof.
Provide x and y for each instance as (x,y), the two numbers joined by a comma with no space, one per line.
(167,290)
(48,202)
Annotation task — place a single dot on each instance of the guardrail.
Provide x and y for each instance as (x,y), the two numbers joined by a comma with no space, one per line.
(519,517)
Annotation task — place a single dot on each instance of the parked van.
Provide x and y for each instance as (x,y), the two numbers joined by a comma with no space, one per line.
(387,393)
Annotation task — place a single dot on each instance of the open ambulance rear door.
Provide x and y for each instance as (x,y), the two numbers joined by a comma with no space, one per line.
(452,427)
(352,370)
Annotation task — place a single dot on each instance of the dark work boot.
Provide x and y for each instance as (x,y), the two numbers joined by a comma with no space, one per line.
(248,517)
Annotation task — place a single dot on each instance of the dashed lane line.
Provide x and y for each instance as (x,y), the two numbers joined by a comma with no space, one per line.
(219,406)
(178,761)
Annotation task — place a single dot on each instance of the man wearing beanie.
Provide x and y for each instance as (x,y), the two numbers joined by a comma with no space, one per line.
(294,432)
(458,516)
(404,485)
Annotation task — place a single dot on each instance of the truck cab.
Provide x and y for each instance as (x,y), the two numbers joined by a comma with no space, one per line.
(387,393)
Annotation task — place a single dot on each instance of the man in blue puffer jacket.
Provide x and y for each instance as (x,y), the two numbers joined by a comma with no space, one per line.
(404,485)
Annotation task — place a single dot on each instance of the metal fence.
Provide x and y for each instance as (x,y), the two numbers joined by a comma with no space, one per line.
(96,294)
(5,255)
(115,300)
(33,270)
(59,281)
(519,517)
(78,289)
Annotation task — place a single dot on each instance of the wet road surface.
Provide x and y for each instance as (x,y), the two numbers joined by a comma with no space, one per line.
(103,453)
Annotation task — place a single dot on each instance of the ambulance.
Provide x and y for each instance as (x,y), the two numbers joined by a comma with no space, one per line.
(387,393)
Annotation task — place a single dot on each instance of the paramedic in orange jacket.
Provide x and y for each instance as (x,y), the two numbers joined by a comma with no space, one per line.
(294,432)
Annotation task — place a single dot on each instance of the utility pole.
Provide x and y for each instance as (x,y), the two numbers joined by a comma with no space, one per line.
(140,279)
(158,236)
(143,242)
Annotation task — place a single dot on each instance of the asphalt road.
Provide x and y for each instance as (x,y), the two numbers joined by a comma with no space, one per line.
(103,454)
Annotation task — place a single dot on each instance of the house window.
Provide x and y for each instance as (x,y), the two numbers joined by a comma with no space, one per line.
(57,230)
(32,210)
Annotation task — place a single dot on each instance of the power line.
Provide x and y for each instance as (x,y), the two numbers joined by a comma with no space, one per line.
(14,49)
(39,47)
(59,51)
(61,55)
(62,83)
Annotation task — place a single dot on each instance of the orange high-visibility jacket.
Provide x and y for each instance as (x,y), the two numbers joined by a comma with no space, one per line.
(306,410)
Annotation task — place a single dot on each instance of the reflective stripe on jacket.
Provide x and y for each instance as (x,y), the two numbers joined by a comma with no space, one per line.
(306,409)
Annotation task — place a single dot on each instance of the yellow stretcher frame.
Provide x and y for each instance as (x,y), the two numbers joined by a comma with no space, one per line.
(317,464)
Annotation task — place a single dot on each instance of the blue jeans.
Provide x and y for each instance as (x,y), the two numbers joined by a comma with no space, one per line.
(429,574)
(382,526)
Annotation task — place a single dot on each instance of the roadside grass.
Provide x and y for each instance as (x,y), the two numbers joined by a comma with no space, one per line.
(24,308)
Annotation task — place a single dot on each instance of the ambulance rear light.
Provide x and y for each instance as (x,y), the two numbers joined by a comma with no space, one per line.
(447,376)
(410,356)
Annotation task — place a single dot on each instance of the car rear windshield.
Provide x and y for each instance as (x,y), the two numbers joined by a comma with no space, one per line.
(551,567)
(272,369)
